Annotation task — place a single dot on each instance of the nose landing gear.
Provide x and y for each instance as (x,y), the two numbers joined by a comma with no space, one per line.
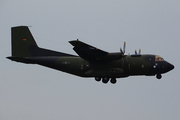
(158,76)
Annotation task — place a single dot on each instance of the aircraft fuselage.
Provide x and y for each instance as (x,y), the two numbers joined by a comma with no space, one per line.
(130,65)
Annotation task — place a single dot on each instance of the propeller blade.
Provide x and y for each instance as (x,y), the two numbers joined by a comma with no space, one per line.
(121,51)
(135,52)
(124,47)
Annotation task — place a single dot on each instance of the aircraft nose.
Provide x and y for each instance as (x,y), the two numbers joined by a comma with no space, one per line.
(170,66)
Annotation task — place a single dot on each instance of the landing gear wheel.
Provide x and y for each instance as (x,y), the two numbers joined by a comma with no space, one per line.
(98,79)
(105,80)
(158,76)
(113,80)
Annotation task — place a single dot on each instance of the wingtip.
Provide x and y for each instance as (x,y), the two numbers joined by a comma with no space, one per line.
(74,42)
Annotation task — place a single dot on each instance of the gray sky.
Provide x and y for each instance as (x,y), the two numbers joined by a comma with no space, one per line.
(32,92)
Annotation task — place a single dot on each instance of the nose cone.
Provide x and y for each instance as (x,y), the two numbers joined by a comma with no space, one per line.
(170,66)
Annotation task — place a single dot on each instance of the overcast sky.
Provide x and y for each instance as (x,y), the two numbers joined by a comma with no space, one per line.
(33,92)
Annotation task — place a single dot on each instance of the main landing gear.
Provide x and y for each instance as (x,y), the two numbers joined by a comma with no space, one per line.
(106,80)
(158,76)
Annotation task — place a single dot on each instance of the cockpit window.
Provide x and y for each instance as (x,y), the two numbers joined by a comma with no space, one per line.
(159,58)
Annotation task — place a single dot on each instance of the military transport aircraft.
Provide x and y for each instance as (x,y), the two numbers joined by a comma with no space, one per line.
(91,62)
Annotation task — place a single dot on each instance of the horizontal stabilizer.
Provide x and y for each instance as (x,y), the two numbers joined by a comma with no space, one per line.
(20,59)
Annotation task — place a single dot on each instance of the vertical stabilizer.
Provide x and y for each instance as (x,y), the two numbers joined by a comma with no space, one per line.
(22,40)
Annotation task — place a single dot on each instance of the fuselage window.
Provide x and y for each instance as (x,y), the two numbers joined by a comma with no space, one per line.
(158,58)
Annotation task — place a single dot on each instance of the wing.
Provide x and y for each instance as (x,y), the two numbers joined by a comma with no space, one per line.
(87,52)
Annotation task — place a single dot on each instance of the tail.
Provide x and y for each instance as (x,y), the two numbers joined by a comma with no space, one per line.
(24,46)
